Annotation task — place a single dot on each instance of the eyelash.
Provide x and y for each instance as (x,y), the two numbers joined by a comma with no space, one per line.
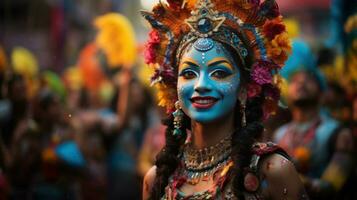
(225,73)
(188,74)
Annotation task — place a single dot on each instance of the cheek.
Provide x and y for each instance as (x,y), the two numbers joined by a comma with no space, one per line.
(229,88)
(184,90)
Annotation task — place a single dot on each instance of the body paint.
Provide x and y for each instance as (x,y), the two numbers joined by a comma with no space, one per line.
(208,82)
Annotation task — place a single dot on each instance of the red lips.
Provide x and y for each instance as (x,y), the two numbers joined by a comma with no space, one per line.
(203,102)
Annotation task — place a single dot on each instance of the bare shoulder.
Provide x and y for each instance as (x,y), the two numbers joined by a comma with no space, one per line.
(282,178)
(276,165)
(149,179)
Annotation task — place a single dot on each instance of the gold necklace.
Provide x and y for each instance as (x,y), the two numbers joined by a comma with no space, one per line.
(201,164)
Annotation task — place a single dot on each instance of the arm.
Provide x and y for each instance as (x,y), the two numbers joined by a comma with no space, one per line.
(282,179)
(148,182)
(338,169)
(124,94)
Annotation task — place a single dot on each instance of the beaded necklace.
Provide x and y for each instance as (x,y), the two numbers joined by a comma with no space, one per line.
(202,165)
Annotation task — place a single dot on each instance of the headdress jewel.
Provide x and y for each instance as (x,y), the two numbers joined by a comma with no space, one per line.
(252,28)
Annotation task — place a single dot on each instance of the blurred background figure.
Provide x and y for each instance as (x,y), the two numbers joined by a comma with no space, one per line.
(321,150)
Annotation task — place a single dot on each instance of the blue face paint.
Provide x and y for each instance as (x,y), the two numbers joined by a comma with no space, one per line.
(208,81)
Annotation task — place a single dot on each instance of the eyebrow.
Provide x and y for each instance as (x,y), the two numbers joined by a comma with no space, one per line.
(219,60)
(190,61)
(214,61)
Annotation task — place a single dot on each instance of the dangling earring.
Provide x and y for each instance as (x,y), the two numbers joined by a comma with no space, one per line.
(242,100)
(178,117)
(242,110)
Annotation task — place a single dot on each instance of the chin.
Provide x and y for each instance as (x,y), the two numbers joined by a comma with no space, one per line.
(207,117)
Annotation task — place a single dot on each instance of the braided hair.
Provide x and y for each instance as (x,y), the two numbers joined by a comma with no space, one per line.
(242,140)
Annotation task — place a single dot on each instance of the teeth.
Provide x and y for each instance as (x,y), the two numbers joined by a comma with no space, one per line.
(204,101)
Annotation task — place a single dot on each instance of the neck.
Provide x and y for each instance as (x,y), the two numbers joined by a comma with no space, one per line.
(209,134)
(305,115)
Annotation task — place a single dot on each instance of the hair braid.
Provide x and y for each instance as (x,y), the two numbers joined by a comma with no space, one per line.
(243,139)
(167,159)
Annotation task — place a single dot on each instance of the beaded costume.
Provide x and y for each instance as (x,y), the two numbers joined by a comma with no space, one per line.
(193,169)
(255,31)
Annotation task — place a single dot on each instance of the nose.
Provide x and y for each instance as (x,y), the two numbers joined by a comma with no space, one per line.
(203,84)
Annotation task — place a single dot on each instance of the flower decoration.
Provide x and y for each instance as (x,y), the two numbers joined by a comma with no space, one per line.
(279,48)
(261,74)
(175,4)
(253,90)
(165,97)
(273,27)
(151,47)
(255,20)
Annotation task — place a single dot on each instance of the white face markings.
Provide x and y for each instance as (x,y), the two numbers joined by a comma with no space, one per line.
(203,58)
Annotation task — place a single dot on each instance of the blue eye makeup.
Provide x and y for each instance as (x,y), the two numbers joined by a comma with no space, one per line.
(220,73)
(208,84)
(188,73)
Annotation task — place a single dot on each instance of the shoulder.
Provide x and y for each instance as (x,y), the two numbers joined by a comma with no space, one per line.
(282,178)
(278,176)
(273,161)
(149,179)
(275,166)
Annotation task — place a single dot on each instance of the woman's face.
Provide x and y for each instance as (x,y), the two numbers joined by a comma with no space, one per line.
(208,81)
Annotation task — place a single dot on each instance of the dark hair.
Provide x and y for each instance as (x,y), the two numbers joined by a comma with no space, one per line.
(243,138)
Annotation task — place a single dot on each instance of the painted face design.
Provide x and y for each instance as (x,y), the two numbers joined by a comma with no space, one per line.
(208,81)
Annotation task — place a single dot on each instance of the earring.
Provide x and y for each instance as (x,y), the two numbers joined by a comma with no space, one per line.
(178,117)
(242,110)
(242,100)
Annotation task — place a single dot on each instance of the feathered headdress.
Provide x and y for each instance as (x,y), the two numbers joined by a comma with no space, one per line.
(252,28)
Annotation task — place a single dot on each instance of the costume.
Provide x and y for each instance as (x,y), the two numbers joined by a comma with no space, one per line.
(250,33)
(190,170)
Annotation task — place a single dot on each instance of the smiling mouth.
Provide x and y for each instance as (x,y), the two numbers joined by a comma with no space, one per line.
(203,102)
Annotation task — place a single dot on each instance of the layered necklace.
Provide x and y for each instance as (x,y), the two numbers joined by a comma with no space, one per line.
(201,164)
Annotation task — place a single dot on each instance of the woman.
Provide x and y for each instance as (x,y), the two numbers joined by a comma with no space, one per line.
(215,67)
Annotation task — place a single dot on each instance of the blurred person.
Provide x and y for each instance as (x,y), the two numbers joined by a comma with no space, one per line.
(54,177)
(153,142)
(110,134)
(95,183)
(322,153)
(301,55)
(133,105)
(14,106)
